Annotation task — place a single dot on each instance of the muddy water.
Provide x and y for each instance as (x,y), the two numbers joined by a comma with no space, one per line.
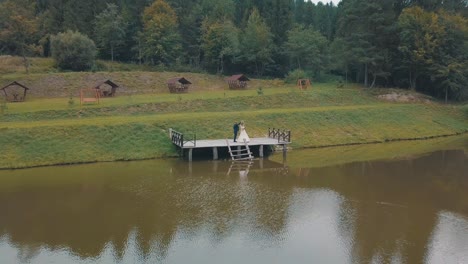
(405,204)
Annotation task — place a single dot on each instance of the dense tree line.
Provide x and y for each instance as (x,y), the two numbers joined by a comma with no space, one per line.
(416,44)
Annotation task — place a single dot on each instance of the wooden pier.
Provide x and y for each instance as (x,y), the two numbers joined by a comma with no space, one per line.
(189,142)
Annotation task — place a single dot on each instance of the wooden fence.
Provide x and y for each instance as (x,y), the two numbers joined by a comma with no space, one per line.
(179,140)
(281,135)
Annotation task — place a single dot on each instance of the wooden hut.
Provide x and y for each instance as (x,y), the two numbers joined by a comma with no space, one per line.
(238,81)
(178,85)
(107,92)
(15,92)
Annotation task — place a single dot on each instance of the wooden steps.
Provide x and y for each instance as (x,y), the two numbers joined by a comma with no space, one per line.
(243,153)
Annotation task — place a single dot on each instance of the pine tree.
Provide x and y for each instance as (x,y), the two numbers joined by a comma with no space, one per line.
(110,29)
(257,43)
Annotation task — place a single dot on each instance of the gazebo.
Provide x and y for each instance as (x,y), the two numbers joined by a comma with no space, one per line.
(178,85)
(15,92)
(107,92)
(303,83)
(238,81)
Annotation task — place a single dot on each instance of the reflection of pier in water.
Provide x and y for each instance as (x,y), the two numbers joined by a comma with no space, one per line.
(229,167)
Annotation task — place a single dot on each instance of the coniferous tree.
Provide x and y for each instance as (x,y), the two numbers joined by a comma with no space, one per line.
(110,29)
(368,28)
(257,43)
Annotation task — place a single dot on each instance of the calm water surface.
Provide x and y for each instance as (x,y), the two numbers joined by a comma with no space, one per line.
(399,206)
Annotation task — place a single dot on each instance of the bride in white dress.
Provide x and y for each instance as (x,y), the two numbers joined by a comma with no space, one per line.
(243,134)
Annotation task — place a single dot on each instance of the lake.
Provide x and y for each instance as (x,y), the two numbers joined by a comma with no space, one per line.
(403,202)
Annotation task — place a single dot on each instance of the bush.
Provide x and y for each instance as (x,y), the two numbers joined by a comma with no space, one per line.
(73,51)
(293,76)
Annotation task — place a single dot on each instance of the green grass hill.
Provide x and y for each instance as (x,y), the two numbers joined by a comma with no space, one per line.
(52,128)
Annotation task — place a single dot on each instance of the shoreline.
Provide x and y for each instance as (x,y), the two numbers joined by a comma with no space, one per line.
(300,148)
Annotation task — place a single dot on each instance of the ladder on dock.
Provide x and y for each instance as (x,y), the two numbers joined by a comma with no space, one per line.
(242,153)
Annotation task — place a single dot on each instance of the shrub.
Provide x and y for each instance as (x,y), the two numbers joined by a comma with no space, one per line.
(73,51)
(294,75)
(260,91)
(71,101)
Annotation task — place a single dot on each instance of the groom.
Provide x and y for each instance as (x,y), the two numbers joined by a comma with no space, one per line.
(236,129)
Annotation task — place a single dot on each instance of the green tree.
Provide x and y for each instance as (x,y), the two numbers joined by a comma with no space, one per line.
(341,57)
(420,35)
(218,10)
(18,28)
(110,29)
(307,48)
(279,17)
(190,15)
(368,28)
(220,44)
(449,69)
(256,43)
(161,39)
(73,51)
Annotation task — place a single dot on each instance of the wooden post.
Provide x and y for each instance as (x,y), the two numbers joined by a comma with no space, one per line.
(170,133)
(284,151)
(215,166)
(190,168)
(215,153)
(190,154)
(260,150)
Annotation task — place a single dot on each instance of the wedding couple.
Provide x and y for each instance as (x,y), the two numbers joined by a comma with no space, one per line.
(242,135)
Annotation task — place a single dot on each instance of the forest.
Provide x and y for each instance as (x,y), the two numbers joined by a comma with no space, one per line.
(412,44)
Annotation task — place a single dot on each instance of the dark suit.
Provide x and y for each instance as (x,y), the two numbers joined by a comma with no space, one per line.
(236,129)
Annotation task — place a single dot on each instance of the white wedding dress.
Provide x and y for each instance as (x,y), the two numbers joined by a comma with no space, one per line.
(243,135)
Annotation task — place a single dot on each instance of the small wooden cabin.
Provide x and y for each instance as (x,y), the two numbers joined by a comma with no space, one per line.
(178,85)
(303,83)
(15,92)
(108,90)
(238,81)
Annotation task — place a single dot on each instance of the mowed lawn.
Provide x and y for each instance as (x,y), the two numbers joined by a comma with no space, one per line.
(127,127)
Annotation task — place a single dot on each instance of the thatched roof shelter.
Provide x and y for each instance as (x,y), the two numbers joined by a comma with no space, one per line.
(107,93)
(15,92)
(238,81)
(178,85)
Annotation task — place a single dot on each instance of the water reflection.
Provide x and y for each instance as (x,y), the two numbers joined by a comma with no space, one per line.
(410,210)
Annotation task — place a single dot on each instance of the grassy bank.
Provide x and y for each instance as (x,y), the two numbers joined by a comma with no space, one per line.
(47,137)
(49,128)
(322,157)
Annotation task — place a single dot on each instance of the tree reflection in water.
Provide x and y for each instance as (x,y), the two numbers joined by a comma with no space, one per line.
(384,211)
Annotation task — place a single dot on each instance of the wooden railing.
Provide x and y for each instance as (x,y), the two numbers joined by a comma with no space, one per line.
(179,139)
(281,135)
